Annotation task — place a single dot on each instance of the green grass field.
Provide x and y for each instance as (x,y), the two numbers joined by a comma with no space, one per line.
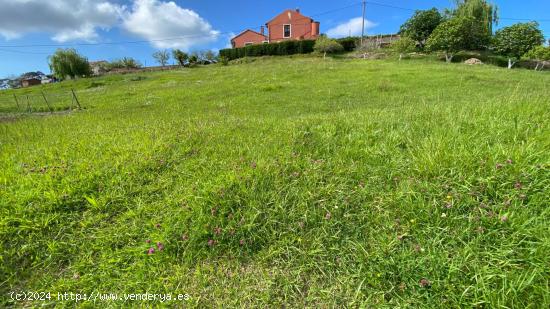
(286,181)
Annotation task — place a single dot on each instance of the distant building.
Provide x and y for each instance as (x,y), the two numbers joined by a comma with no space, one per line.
(249,37)
(48,79)
(99,67)
(289,25)
(31,81)
(4,84)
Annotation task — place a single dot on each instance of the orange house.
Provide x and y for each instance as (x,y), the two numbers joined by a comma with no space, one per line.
(249,37)
(289,25)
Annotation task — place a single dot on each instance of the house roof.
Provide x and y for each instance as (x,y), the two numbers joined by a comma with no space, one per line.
(98,62)
(300,15)
(248,30)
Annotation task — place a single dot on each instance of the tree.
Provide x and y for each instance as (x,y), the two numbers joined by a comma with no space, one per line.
(68,63)
(539,54)
(210,55)
(124,63)
(327,46)
(480,10)
(403,46)
(194,58)
(162,57)
(451,36)
(421,25)
(180,56)
(516,40)
(131,63)
(485,16)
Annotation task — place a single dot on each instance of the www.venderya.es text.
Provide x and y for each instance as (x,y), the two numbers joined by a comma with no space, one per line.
(96,297)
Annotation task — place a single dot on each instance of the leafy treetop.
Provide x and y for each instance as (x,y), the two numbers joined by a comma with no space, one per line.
(516,40)
(67,63)
(421,25)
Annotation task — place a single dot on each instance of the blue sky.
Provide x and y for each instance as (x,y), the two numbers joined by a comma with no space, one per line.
(189,24)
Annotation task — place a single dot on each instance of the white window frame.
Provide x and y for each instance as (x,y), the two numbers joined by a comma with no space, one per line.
(290,31)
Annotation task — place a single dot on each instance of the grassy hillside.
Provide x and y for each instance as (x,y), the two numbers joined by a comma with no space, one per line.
(285,181)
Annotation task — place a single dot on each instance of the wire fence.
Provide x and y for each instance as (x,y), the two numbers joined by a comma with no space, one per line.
(39,102)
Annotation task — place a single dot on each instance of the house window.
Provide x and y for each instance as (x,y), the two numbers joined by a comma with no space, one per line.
(286,31)
(248,43)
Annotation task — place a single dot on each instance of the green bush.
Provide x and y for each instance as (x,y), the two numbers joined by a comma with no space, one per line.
(273,49)
(224,61)
(124,63)
(325,46)
(349,44)
(484,56)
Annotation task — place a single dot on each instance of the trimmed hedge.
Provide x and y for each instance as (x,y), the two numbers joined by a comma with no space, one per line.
(273,49)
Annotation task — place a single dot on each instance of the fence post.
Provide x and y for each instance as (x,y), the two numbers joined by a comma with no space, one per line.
(46,100)
(16,101)
(76,98)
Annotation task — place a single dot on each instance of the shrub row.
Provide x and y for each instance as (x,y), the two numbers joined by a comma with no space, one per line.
(271,49)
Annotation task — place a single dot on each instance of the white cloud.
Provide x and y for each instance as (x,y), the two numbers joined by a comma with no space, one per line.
(154,20)
(65,19)
(229,36)
(353,25)
(68,20)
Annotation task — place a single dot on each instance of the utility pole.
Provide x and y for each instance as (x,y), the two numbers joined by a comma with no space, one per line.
(363,23)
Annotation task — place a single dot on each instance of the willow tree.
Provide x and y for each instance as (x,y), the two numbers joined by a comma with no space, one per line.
(483,12)
(68,63)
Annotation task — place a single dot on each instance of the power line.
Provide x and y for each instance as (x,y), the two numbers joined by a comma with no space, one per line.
(114,43)
(390,6)
(213,34)
(337,9)
(525,19)
(23,52)
(161,40)
(413,10)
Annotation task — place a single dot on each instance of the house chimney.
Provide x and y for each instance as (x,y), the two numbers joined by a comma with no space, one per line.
(262,30)
(298,10)
(315,28)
